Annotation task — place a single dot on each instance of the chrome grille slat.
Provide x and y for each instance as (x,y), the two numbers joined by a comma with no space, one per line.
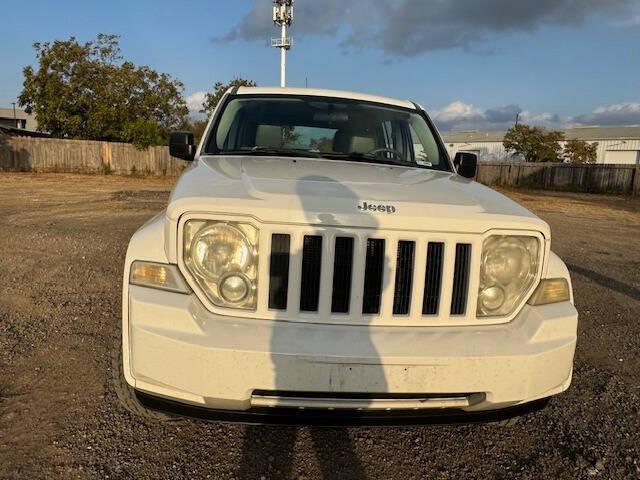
(295,269)
(357,281)
(446,283)
(419,278)
(326,277)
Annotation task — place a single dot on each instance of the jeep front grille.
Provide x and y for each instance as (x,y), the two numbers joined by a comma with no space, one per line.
(339,275)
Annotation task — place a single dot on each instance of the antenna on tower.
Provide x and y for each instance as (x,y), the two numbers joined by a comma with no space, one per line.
(283,17)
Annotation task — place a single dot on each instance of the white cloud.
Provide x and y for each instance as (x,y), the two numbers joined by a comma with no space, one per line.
(458,112)
(549,120)
(463,116)
(194,103)
(611,115)
(631,22)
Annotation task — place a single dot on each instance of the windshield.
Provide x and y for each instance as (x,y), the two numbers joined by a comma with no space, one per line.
(326,128)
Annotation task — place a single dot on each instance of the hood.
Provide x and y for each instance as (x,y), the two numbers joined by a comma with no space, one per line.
(340,193)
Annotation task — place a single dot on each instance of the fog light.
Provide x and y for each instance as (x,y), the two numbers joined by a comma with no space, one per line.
(492,298)
(549,291)
(234,288)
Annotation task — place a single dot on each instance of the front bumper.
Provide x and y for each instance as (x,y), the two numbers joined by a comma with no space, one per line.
(336,418)
(177,350)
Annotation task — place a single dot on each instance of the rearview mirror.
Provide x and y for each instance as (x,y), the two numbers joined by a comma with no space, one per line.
(466,163)
(331,117)
(181,145)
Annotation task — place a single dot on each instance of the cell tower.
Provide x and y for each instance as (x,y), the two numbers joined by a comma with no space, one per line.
(283,17)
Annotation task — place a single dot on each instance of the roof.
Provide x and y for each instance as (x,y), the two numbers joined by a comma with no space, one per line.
(21,132)
(29,118)
(576,133)
(325,93)
(473,137)
(603,133)
(8,113)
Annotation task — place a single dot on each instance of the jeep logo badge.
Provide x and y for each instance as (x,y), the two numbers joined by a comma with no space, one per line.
(370,207)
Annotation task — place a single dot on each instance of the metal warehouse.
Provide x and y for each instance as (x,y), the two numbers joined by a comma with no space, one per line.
(615,144)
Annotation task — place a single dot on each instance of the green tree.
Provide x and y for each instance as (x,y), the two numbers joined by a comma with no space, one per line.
(535,144)
(212,99)
(323,144)
(579,151)
(197,127)
(87,91)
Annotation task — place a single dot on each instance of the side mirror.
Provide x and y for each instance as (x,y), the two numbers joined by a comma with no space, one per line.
(181,145)
(466,164)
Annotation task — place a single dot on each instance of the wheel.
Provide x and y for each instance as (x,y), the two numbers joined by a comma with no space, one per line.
(127,395)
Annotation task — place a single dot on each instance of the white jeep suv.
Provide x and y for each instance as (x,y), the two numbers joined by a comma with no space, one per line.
(324,256)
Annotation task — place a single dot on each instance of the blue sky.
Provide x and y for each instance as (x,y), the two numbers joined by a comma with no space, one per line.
(472,63)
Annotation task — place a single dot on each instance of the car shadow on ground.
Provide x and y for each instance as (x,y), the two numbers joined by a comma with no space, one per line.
(607,282)
(275,460)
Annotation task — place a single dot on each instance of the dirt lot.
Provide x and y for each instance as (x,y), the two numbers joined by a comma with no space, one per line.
(63,242)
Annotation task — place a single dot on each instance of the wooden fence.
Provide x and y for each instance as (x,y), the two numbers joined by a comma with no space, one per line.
(26,154)
(589,178)
(78,156)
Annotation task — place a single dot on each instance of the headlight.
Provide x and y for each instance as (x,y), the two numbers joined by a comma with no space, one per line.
(222,257)
(507,273)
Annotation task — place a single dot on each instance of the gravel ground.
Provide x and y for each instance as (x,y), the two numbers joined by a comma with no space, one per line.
(63,241)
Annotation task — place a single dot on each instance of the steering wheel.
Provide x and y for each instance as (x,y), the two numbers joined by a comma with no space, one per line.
(393,151)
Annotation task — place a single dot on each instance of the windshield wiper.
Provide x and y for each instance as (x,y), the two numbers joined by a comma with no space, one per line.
(283,152)
(364,157)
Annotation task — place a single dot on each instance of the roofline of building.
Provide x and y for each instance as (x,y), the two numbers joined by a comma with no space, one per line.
(21,132)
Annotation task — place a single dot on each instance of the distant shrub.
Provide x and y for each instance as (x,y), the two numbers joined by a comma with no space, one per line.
(106,169)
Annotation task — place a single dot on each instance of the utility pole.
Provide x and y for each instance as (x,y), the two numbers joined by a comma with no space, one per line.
(283,17)
(517,119)
(15,120)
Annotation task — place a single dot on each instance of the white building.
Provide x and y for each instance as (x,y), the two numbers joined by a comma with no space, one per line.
(615,144)
(18,119)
